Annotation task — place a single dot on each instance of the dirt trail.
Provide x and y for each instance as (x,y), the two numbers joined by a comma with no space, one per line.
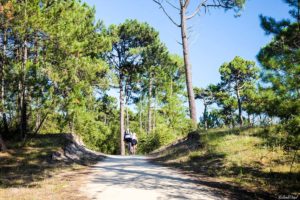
(134,177)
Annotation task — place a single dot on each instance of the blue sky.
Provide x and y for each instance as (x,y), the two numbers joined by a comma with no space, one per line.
(216,37)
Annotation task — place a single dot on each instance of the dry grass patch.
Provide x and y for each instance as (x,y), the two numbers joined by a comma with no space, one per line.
(63,184)
(243,157)
(27,172)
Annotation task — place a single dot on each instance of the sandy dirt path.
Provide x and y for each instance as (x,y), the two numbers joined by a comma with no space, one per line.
(134,177)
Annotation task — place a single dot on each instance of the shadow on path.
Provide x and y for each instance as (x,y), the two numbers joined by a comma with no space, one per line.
(117,176)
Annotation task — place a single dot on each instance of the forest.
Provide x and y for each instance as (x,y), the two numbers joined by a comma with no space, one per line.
(72,84)
(59,64)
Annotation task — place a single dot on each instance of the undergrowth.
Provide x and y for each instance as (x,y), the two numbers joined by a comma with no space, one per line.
(28,172)
(258,159)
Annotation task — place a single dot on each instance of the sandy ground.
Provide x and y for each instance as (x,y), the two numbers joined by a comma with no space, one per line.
(133,177)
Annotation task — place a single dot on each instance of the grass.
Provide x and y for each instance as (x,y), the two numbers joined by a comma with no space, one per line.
(59,186)
(247,157)
(28,172)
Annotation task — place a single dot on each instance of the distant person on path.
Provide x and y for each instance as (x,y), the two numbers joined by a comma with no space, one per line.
(128,140)
(134,142)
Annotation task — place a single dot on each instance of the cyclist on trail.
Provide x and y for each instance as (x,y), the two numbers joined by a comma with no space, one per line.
(128,140)
(134,141)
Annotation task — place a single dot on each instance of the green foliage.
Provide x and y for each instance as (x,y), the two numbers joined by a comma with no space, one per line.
(57,64)
(206,95)
(293,126)
(158,138)
(59,73)
(281,69)
(254,158)
(238,73)
(213,119)
(280,61)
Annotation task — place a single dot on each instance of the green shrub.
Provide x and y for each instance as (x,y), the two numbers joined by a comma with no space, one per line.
(293,126)
(293,129)
(156,139)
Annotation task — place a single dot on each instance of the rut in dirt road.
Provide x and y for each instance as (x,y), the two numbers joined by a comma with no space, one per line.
(133,177)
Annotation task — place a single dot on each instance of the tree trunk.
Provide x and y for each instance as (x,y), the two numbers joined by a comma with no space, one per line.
(188,70)
(2,144)
(232,120)
(241,121)
(23,100)
(40,124)
(249,120)
(140,121)
(149,104)
(205,116)
(38,117)
(38,113)
(154,110)
(19,111)
(122,130)
(127,117)
(2,93)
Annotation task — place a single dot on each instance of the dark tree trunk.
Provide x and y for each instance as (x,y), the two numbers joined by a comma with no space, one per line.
(2,74)
(205,117)
(122,130)
(19,99)
(2,144)
(188,70)
(23,92)
(241,121)
(249,120)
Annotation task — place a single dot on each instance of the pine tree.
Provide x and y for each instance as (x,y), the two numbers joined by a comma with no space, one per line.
(238,75)
(125,60)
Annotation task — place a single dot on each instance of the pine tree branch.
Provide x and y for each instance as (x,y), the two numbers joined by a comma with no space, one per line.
(186,4)
(166,13)
(219,4)
(197,10)
(215,4)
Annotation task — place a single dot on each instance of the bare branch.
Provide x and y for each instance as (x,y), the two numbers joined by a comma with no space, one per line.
(172,5)
(197,10)
(218,4)
(186,4)
(179,43)
(166,13)
(215,4)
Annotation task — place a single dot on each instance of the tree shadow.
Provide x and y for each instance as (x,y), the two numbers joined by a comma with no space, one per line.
(176,184)
(139,174)
(210,164)
(207,167)
(22,165)
(287,182)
